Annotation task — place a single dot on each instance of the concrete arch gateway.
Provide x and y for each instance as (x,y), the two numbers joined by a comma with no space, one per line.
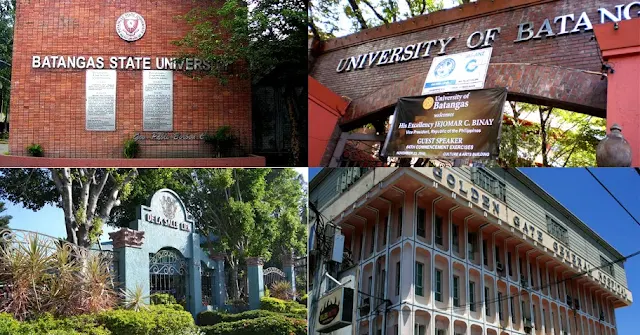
(544,52)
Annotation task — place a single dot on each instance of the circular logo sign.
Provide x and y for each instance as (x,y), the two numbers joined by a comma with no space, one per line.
(445,68)
(428,103)
(131,26)
(472,65)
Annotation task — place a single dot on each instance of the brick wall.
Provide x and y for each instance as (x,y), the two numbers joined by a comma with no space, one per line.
(48,105)
(574,51)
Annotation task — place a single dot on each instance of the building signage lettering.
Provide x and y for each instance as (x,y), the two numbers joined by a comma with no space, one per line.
(465,189)
(482,200)
(119,63)
(158,220)
(481,39)
(169,137)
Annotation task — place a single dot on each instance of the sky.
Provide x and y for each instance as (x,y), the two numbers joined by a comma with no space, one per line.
(50,220)
(580,192)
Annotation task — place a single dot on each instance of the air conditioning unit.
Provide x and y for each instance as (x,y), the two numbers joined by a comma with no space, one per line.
(499,267)
(524,282)
(365,308)
(527,326)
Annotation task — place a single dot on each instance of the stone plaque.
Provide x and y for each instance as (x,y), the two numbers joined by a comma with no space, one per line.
(157,96)
(101,100)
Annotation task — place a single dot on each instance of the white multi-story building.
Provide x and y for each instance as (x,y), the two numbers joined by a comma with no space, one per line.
(458,251)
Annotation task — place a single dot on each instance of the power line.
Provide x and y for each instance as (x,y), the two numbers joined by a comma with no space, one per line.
(613,196)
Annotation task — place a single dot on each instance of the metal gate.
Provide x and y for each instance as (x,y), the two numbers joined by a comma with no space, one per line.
(272,275)
(168,273)
(206,278)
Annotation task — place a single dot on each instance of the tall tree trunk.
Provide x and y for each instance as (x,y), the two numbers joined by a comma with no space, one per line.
(358,13)
(543,133)
(295,143)
(233,268)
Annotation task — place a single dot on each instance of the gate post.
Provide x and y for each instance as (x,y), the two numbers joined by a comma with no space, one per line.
(217,286)
(255,281)
(289,270)
(133,262)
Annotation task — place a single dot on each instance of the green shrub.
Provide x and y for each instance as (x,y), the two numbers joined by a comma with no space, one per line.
(35,150)
(273,305)
(298,312)
(169,320)
(271,325)
(303,300)
(8,325)
(210,318)
(127,322)
(131,148)
(163,299)
(80,325)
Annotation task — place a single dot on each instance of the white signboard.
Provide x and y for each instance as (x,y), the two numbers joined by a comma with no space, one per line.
(157,97)
(460,72)
(101,100)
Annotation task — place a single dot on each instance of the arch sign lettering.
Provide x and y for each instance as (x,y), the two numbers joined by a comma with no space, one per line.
(552,27)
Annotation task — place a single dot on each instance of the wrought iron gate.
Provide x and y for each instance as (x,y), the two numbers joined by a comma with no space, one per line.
(272,275)
(207,287)
(168,272)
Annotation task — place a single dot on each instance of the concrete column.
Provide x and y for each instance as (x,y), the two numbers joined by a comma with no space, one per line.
(218,285)
(133,262)
(195,277)
(255,281)
(288,267)
(568,321)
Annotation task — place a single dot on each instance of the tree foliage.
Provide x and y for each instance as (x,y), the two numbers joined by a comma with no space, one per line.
(248,213)
(4,219)
(264,40)
(7,19)
(324,15)
(561,139)
(87,196)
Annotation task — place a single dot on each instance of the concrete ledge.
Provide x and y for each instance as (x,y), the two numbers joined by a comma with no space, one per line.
(44,162)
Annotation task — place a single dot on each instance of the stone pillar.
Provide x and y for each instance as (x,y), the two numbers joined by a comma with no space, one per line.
(195,277)
(255,281)
(218,281)
(133,262)
(621,51)
(289,269)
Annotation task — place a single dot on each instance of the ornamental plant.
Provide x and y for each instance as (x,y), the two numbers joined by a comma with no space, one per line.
(131,148)
(222,141)
(35,150)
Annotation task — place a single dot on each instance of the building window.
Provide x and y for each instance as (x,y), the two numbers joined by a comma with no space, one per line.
(370,286)
(489,183)
(473,240)
(396,330)
(557,230)
(513,310)
(419,278)
(472,296)
(441,332)
(384,233)
(373,239)
(456,239)
(486,301)
(456,291)
(420,329)
(397,278)
(500,306)
(422,215)
(509,263)
(438,283)
(438,227)
(607,266)
(400,222)
(485,251)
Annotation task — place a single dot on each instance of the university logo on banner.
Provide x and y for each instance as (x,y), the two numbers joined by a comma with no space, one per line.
(447,126)
(459,72)
(131,26)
